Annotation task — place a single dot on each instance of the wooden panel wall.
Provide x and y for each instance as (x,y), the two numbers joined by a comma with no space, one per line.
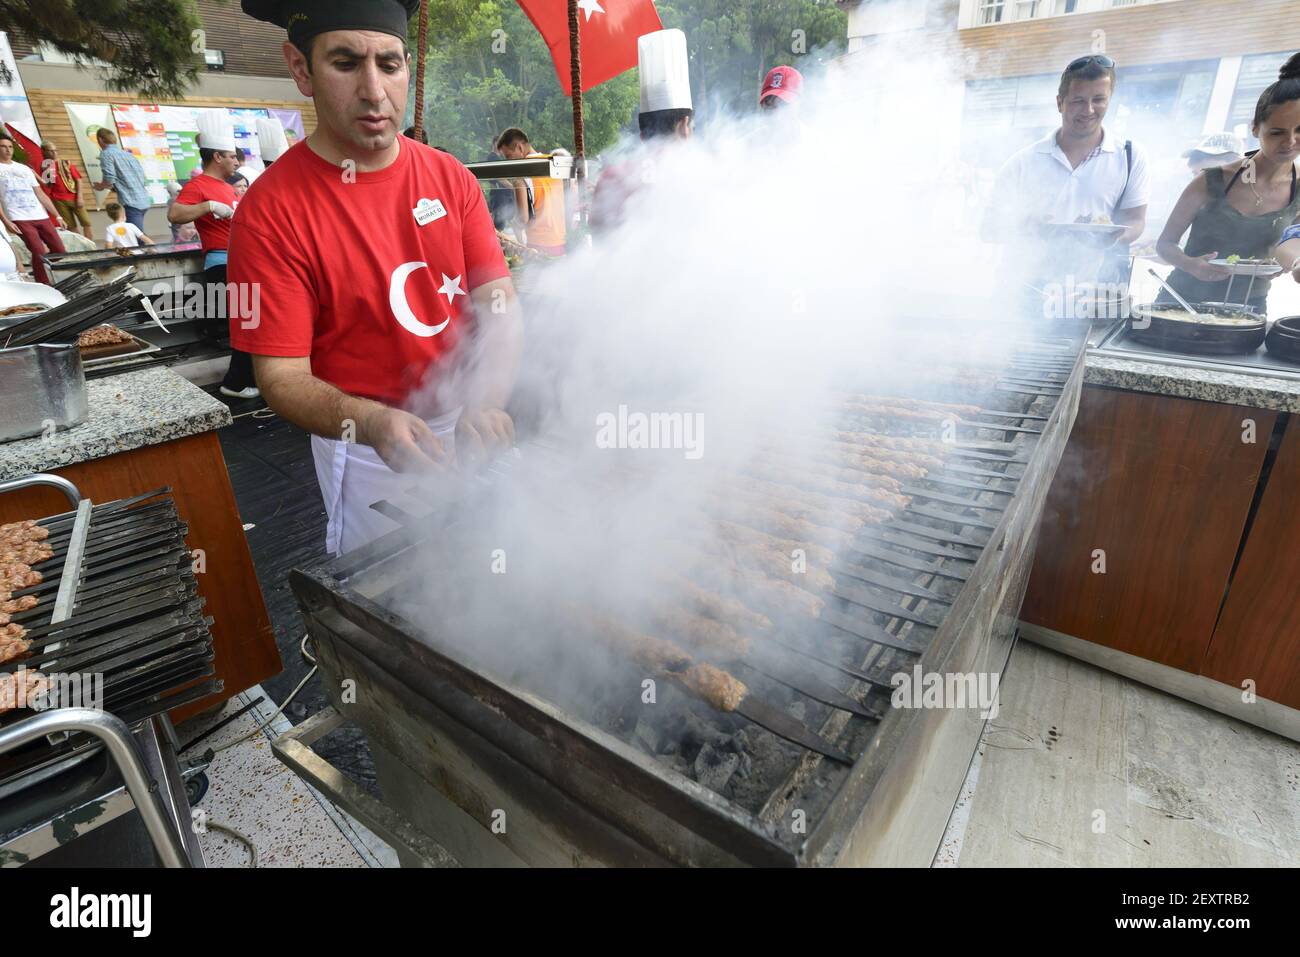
(1258,637)
(1151,33)
(1163,486)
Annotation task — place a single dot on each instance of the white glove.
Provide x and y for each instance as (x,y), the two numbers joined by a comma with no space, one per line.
(220,210)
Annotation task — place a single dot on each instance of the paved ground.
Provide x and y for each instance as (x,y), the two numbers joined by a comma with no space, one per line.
(1083,768)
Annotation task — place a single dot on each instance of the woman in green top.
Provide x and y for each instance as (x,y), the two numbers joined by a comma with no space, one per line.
(1242,208)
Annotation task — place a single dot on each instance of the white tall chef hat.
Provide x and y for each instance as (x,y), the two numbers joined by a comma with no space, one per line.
(216,131)
(271,139)
(665,71)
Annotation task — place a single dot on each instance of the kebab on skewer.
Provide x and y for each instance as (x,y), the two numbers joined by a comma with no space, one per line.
(27,553)
(858,398)
(712,685)
(12,645)
(21,686)
(716,606)
(15,576)
(16,533)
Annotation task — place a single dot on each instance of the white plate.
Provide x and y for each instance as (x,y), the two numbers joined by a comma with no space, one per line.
(1249,269)
(1089,227)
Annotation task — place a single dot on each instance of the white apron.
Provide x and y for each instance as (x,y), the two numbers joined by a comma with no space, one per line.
(352,476)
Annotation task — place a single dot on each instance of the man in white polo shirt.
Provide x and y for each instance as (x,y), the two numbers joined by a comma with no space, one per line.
(1078,173)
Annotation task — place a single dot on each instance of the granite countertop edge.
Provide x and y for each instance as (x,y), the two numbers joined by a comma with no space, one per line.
(1185,382)
(159,406)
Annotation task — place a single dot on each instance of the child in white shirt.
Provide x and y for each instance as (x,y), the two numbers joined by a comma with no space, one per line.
(120,233)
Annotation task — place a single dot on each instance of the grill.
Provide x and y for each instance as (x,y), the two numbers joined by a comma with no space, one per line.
(506,758)
(117,604)
(86,307)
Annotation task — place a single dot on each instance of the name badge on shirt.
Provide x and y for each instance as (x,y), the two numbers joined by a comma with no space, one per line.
(428,210)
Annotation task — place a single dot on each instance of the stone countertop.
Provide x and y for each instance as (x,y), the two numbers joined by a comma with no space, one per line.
(1189,382)
(127,411)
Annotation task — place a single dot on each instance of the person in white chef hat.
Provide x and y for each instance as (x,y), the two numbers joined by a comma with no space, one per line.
(666,115)
(271,139)
(208,201)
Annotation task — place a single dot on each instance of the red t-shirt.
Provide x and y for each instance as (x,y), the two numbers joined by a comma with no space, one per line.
(54,184)
(347,276)
(213,233)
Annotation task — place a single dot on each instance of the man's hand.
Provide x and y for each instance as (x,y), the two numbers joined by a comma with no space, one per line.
(404,441)
(482,433)
(220,210)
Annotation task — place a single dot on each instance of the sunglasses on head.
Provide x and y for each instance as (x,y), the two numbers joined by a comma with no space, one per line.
(1103,61)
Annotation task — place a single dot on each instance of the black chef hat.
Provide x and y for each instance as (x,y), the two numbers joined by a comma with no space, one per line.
(304,19)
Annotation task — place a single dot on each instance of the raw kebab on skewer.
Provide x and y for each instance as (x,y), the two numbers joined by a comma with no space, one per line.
(20,688)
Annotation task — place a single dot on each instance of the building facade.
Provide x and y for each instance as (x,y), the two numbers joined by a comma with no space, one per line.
(245,68)
(1186,68)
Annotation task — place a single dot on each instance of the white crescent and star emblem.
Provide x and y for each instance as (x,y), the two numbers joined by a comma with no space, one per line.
(450,288)
(402,309)
(589,7)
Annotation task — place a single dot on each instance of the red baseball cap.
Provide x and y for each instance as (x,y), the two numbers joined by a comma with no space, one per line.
(782,81)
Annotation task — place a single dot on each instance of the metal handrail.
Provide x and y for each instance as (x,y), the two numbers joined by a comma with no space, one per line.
(121,747)
(43,478)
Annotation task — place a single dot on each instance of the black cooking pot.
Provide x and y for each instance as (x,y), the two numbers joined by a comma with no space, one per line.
(1198,337)
(1283,340)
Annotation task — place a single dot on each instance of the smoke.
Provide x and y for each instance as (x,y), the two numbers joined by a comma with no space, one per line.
(761,268)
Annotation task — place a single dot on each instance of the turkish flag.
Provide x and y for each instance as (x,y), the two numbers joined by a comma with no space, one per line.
(607,29)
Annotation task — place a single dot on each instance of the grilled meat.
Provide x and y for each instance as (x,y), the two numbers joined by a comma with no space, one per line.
(896,401)
(859,444)
(759,515)
(715,686)
(105,335)
(703,634)
(743,535)
(716,606)
(11,606)
(20,688)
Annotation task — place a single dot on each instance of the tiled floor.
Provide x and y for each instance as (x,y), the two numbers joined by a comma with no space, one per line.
(253,793)
(1083,768)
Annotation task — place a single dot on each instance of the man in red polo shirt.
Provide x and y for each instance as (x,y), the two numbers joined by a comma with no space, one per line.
(373,264)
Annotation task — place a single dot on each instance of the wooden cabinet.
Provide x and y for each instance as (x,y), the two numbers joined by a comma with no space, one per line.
(1159,489)
(1258,637)
(196,471)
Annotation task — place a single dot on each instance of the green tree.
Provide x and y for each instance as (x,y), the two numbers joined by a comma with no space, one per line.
(487,68)
(733,43)
(148,45)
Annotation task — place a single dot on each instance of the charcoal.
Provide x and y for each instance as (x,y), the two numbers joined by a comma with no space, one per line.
(714,768)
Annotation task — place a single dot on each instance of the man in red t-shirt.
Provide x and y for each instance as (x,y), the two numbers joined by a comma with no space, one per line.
(209,202)
(62,182)
(366,264)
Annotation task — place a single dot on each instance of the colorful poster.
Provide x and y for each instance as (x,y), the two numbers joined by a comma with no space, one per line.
(86,119)
(140,131)
(291,120)
(14,108)
(182,126)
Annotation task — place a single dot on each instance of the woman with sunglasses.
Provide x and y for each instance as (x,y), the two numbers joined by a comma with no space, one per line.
(1243,208)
